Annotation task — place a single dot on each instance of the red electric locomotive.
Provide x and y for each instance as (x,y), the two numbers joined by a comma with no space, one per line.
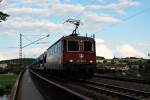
(71,56)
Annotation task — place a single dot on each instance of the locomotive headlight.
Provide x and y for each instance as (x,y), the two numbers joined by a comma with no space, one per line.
(71,60)
(91,61)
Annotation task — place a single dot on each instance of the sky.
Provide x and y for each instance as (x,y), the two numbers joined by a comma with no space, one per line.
(121,27)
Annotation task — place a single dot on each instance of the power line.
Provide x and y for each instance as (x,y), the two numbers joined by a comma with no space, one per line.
(79,14)
(42,43)
(35,41)
(26,38)
(21,47)
(34,35)
(128,18)
(137,14)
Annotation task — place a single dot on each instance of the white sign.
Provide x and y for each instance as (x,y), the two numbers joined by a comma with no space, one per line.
(81,55)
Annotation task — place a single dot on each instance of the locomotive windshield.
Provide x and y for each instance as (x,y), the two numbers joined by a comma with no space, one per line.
(73,45)
(88,46)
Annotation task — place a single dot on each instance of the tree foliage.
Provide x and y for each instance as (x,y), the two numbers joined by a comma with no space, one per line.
(3,16)
(15,66)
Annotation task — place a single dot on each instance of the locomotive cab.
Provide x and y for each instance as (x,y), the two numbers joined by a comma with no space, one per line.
(79,56)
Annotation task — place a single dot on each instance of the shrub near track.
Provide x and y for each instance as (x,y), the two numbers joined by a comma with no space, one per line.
(6,83)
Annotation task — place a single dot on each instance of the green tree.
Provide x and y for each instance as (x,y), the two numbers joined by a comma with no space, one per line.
(105,61)
(3,16)
(112,62)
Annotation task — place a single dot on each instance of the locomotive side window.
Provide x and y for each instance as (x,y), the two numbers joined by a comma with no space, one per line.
(64,46)
(88,46)
(73,45)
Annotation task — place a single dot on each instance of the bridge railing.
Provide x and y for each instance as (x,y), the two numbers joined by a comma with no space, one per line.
(15,89)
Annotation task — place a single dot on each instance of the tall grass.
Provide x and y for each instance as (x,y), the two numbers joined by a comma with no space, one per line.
(6,83)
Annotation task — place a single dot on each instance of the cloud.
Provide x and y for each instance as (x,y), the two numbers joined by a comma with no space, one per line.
(101,41)
(30,24)
(127,50)
(33,26)
(33,52)
(143,45)
(9,55)
(29,52)
(66,9)
(102,49)
(41,16)
(27,11)
(95,22)
(35,1)
(27,18)
(120,5)
(124,50)
(101,18)
(8,33)
(2,57)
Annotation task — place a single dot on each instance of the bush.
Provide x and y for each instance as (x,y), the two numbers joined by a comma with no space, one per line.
(1,91)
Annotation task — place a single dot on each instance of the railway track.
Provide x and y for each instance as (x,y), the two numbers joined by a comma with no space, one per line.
(116,91)
(121,92)
(124,79)
(97,91)
(69,84)
(62,92)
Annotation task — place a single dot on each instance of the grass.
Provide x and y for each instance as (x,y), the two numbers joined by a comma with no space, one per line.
(6,83)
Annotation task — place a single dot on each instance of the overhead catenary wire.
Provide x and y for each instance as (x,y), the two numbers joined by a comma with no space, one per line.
(35,41)
(126,19)
(32,41)
(134,15)
(26,38)
(73,20)
(137,14)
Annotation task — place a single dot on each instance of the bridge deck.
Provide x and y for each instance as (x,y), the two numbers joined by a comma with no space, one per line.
(27,90)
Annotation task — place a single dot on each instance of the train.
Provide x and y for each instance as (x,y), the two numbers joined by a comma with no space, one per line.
(71,56)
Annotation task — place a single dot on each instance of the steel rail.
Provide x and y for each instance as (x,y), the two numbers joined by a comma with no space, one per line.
(109,92)
(137,93)
(124,79)
(80,96)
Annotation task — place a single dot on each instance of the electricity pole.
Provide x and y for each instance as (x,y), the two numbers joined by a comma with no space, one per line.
(20,47)
(31,42)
